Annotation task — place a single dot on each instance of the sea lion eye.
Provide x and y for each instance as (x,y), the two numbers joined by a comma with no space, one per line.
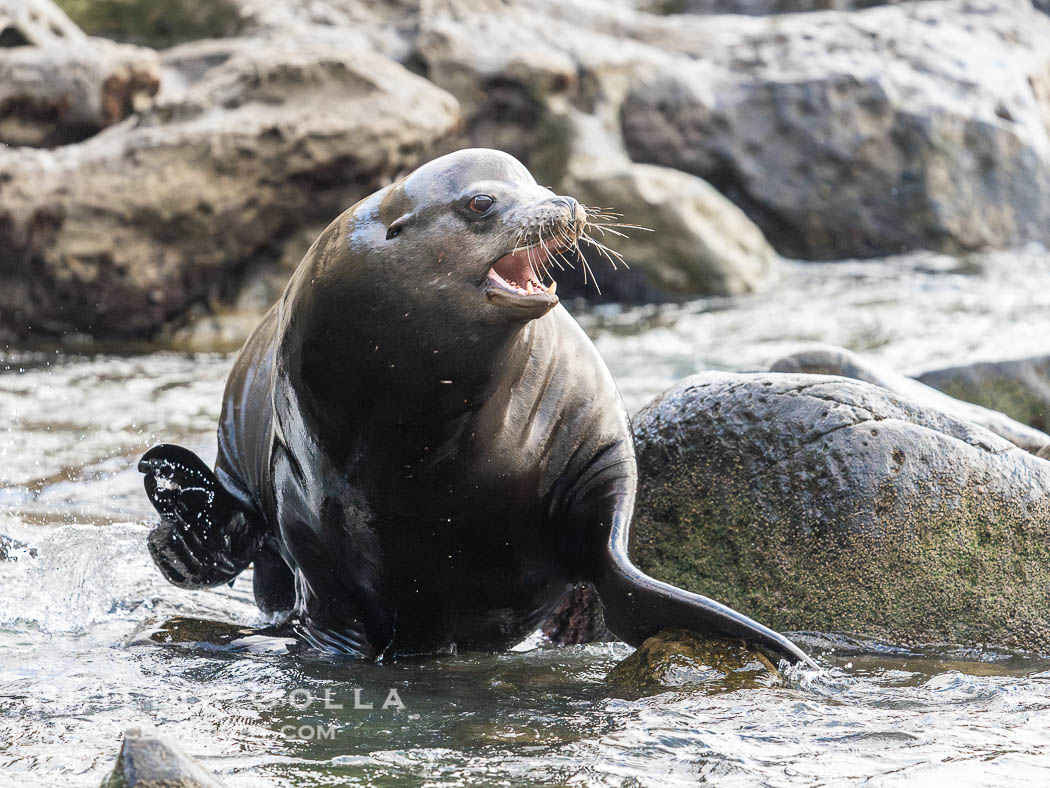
(481,203)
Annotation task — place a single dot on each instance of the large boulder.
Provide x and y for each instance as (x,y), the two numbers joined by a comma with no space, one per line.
(1019,388)
(119,234)
(822,503)
(57,85)
(842,134)
(830,360)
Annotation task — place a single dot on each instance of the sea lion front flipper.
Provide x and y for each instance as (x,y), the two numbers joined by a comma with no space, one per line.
(205,537)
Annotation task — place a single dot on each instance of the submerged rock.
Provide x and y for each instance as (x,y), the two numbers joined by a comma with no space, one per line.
(813,502)
(147,760)
(207,635)
(10,548)
(677,659)
(831,360)
(1019,388)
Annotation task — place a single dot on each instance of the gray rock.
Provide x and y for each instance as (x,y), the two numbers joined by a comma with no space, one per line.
(698,242)
(761,7)
(120,234)
(822,503)
(830,360)
(59,86)
(852,134)
(522,82)
(1019,388)
(147,760)
(10,548)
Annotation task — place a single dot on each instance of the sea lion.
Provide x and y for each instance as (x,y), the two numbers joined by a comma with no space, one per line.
(419,449)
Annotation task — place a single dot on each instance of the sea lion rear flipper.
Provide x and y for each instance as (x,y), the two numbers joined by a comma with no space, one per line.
(205,538)
(638,606)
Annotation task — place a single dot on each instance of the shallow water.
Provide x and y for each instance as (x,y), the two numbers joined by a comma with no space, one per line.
(80,660)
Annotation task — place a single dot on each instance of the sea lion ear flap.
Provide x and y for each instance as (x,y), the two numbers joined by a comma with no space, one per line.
(395,226)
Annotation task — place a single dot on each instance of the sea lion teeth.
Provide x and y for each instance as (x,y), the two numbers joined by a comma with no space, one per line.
(552,288)
(528,288)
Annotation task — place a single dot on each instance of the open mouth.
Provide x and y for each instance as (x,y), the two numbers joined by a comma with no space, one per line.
(514,273)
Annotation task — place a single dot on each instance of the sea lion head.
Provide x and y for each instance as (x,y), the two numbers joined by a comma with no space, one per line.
(470,233)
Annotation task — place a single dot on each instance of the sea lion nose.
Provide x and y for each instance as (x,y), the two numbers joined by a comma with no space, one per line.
(575,209)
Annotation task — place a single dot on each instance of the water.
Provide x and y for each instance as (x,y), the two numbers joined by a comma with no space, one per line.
(83,655)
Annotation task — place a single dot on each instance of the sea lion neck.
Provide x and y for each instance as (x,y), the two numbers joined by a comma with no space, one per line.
(404,372)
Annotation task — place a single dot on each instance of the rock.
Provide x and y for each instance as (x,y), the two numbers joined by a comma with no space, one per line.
(147,760)
(760,7)
(1020,388)
(853,134)
(509,79)
(211,636)
(580,618)
(156,23)
(59,86)
(11,548)
(677,659)
(122,233)
(822,503)
(521,88)
(35,23)
(829,360)
(700,244)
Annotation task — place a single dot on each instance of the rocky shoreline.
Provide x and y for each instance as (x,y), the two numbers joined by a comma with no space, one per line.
(145,189)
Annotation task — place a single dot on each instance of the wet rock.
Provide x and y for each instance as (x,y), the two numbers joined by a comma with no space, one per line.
(761,7)
(205,634)
(155,23)
(1019,388)
(148,760)
(124,232)
(822,503)
(852,134)
(57,85)
(829,360)
(10,548)
(579,618)
(677,659)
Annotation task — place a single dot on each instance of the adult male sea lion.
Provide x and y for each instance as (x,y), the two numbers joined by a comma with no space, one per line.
(419,448)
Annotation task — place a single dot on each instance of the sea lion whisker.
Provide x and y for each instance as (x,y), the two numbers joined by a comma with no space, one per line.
(605,251)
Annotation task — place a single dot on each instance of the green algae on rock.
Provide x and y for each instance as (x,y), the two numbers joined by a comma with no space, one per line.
(814,502)
(1019,388)
(677,659)
(156,23)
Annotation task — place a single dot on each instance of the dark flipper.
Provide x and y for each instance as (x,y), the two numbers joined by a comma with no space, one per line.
(205,537)
(273,582)
(637,606)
